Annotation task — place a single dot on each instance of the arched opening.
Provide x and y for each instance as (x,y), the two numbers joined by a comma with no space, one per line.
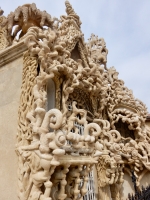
(75,54)
(124,130)
(84,102)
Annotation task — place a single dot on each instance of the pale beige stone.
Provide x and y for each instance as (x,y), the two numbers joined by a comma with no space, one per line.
(10,88)
(94,122)
(145,181)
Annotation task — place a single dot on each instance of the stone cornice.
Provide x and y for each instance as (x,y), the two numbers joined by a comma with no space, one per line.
(11,53)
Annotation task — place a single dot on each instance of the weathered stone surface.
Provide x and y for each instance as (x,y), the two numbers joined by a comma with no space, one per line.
(76,124)
(10,88)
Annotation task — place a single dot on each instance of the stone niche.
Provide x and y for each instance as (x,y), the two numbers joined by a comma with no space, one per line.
(10,90)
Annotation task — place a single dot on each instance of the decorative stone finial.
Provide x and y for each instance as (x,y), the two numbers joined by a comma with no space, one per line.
(71,13)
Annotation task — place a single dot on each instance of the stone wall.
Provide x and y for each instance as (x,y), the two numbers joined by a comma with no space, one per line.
(10,87)
(73,113)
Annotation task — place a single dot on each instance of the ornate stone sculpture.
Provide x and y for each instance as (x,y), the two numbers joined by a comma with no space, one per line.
(57,148)
(3,32)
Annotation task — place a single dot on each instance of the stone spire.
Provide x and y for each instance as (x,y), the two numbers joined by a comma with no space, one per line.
(71,13)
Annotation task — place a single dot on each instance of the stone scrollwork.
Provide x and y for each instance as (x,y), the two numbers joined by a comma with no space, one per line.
(58,148)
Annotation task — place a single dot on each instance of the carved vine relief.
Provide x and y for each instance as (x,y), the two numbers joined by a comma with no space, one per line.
(55,155)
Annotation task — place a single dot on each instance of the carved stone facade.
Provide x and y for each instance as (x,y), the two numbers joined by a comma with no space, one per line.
(96,125)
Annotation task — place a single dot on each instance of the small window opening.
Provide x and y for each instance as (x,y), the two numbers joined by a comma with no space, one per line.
(124,130)
(75,54)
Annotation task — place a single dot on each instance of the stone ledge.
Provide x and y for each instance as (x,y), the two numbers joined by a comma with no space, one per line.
(11,53)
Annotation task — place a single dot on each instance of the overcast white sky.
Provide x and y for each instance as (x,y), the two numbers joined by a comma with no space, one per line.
(125,26)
